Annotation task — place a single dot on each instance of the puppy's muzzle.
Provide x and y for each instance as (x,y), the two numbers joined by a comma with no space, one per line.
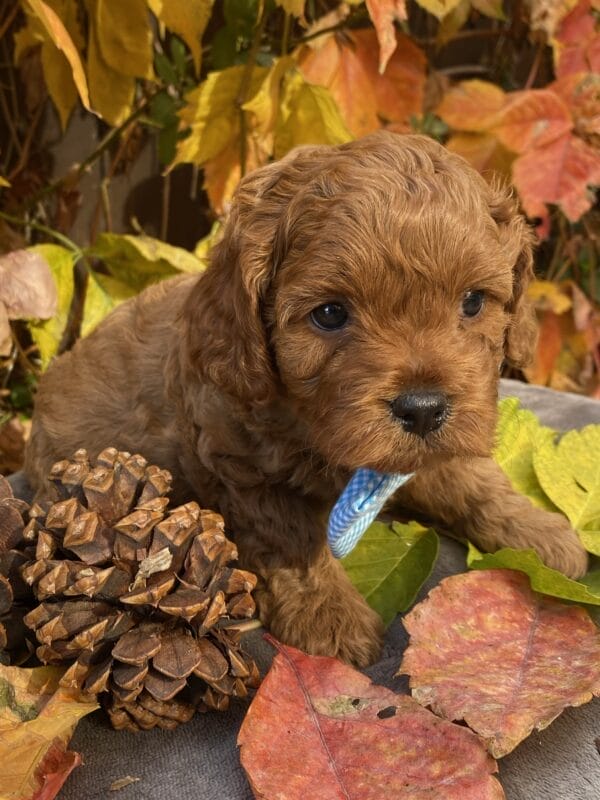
(421,412)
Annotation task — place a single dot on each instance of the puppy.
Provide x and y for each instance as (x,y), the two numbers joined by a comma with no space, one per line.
(355,314)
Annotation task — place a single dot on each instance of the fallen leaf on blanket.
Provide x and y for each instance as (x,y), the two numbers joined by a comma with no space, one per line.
(569,473)
(37,719)
(390,564)
(321,729)
(486,649)
(122,783)
(518,433)
(542,579)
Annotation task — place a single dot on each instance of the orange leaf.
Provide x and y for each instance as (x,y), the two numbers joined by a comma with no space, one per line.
(487,649)
(472,106)
(558,173)
(384,13)
(531,119)
(581,92)
(548,349)
(318,728)
(348,67)
(483,151)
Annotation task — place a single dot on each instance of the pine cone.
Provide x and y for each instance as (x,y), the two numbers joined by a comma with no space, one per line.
(15,638)
(134,594)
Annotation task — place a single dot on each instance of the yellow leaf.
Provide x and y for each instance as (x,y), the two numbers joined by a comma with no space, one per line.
(265,103)
(61,39)
(102,296)
(112,92)
(213,115)
(490,8)
(47,334)
(294,7)
(439,8)
(3,181)
(124,37)
(205,245)
(548,296)
(37,719)
(483,151)
(308,115)
(31,35)
(186,18)
(473,106)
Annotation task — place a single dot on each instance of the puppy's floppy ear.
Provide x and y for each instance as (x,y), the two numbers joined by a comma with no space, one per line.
(226,339)
(521,334)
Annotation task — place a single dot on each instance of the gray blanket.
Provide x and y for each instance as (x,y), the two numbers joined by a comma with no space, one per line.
(199,761)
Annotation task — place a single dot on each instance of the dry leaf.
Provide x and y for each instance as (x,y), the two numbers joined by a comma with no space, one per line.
(37,719)
(487,649)
(384,14)
(320,729)
(121,783)
(13,436)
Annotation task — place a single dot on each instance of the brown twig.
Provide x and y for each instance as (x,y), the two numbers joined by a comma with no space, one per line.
(10,18)
(22,162)
(534,67)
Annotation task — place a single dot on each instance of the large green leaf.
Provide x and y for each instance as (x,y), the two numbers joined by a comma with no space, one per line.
(141,260)
(569,473)
(103,294)
(390,564)
(47,334)
(542,578)
(518,434)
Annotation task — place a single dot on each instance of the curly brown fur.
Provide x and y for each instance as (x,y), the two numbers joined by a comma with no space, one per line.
(225,381)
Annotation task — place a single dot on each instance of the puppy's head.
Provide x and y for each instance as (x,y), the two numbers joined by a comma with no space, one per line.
(376,287)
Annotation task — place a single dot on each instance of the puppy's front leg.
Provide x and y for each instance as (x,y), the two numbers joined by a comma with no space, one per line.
(304,596)
(475,500)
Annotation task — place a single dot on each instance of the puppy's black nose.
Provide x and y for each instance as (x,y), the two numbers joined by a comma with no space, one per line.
(421,412)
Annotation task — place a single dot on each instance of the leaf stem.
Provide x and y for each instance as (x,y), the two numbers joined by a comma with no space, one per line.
(64,240)
(285,36)
(246,82)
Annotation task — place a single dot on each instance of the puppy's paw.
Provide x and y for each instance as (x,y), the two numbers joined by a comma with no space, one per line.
(333,621)
(559,547)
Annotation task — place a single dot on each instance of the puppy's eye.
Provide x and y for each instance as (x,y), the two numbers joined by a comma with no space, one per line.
(329,316)
(472,303)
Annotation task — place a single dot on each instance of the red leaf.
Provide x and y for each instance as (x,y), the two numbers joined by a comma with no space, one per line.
(577,43)
(487,649)
(558,173)
(54,770)
(531,119)
(319,729)
(384,13)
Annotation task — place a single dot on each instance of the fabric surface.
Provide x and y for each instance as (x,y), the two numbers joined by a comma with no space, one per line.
(199,761)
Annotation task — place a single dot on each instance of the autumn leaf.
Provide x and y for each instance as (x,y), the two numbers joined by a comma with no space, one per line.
(542,579)
(339,735)
(186,18)
(569,473)
(518,434)
(27,291)
(439,8)
(581,93)
(124,37)
(308,115)
(390,564)
(349,68)
(138,261)
(486,649)
(472,106)
(532,119)
(384,14)
(294,7)
(577,42)
(63,41)
(37,719)
(559,173)
(483,151)
(111,91)
(103,294)
(47,335)
(548,296)
(546,15)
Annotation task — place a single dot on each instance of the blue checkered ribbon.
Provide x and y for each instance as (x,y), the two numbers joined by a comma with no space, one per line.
(357,507)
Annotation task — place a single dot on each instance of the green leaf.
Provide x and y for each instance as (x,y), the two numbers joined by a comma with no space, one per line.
(102,296)
(47,334)
(138,261)
(518,434)
(390,564)
(569,473)
(542,578)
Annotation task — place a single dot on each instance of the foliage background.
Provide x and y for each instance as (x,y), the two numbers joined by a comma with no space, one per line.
(125,128)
